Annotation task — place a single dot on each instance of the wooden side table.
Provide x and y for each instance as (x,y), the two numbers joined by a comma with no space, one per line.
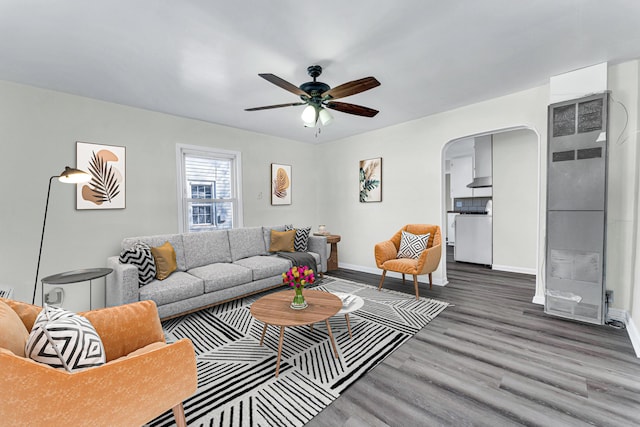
(332,261)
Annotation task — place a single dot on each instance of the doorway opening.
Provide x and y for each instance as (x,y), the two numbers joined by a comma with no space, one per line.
(493,178)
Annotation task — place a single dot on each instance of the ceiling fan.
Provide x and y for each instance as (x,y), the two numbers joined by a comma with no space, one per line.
(319,96)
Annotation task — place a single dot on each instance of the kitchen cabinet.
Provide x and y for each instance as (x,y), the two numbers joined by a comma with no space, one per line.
(474,239)
(461,170)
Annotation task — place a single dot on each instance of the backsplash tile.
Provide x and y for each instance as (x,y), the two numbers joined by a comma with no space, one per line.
(470,204)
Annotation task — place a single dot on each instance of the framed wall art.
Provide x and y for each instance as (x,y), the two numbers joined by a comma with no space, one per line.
(371,180)
(106,165)
(280,184)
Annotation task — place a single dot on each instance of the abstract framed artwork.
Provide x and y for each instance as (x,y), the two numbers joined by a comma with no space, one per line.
(280,184)
(371,180)
(106,165)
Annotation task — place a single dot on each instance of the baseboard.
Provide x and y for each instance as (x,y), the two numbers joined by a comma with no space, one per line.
(634,336)
(511,269)
(421,279)
(624,317)
(538,299)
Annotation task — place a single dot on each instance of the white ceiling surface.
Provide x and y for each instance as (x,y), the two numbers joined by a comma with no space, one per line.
(201,59)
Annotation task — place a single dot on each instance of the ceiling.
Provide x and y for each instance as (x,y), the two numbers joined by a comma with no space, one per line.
(201,59)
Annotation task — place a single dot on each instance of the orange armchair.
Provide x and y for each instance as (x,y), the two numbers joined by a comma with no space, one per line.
(386,255)
(143,376)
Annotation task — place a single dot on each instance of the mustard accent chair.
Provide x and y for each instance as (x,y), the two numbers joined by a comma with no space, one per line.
(143,377)
(386,255)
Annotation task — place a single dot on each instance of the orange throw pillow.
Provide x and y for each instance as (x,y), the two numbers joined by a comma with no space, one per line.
(13,334)
(165,258)
(282,241)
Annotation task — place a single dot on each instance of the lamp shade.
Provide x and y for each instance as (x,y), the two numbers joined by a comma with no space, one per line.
(309,116)
(74,176)
(325,117)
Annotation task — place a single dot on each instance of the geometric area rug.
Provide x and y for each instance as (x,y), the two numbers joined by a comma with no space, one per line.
(236,376)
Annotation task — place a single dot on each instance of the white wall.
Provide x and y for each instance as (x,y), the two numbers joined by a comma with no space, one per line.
(622,188)
(515,201)
(38,134)
(412,164)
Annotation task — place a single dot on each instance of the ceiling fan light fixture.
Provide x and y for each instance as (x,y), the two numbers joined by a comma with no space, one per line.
(309,116)
(325,117)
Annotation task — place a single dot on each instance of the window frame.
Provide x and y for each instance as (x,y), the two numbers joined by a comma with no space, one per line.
(183,150)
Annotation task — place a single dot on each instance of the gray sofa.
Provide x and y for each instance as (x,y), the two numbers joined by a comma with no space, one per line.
(212,267)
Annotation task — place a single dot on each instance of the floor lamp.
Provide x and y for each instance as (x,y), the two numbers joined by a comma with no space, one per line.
(68,176)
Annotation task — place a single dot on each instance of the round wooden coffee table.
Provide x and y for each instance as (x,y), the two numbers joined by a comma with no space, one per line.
(274,309)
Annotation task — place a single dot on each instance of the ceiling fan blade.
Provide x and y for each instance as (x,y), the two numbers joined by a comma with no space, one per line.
(358,110)
(351,88)
(293,104)
(272,78)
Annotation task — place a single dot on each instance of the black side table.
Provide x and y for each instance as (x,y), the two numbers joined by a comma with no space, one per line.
(75,276)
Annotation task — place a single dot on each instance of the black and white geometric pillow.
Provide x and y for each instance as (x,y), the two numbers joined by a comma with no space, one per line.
(62,339)
(301,241)
(140,256)
(412,245)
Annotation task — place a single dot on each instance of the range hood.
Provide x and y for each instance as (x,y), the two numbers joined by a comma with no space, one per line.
(481,182)
(482,162)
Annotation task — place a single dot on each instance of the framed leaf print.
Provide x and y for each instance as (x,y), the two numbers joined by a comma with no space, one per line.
(106,165)
(371,180)
(280,184)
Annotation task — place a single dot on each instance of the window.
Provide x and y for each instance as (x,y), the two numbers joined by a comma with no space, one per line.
(202,213)
(208,193)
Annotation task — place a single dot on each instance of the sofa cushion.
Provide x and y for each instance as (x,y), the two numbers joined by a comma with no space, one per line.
(282,241)
(165,258)
(206,248)
(302,237)
(178,286)
(246,242)
(174,239)
(13,333)
(265,266)
(140,255)
(62,339)
(266,233)
(222,276)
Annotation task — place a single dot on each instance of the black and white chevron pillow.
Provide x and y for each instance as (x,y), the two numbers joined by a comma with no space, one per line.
(140,256)
(412,245)
(63,339)
(301,241)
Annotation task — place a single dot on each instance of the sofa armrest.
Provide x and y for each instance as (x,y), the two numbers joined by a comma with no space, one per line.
(122,284)
(126,328)
(318,245)
(384,251)
(128,391)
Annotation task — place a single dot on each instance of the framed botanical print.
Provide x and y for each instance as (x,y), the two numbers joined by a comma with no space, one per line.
(371,180)
(280,184)
(106,165)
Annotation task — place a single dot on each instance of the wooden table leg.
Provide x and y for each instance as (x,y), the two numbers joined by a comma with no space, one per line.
(264,331)
(333,343)
(346,316)
(279,350)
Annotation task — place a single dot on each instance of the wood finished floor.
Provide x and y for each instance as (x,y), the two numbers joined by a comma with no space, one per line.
(494,359)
